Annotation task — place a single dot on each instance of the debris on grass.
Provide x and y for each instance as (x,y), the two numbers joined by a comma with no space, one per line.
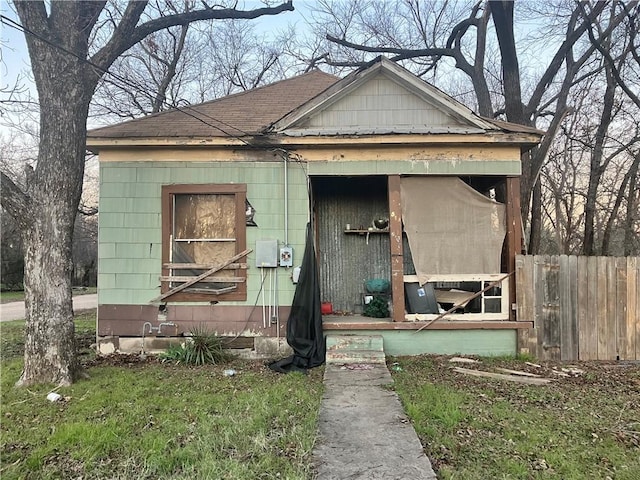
(516,426)
(54,397)
(518,372)
(501,376)
(573,370)
(463,360)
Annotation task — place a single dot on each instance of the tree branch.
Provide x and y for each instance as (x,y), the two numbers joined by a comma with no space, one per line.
(553,68)
(14,200)
(161,95)
(125,36)
(461,28)
(612,64)
(404,52)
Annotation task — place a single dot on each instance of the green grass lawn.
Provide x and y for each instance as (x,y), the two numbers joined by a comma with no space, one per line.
(583,427)
(150,420)
(6,297)
(144,419)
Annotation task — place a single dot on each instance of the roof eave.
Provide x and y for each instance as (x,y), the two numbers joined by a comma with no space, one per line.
(524,141)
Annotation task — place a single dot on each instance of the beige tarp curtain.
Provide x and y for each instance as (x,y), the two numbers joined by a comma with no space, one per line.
(451,227)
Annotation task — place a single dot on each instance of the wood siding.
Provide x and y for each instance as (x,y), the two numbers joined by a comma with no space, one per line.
(381,102)
(583,308)
(223,319)
(130,225)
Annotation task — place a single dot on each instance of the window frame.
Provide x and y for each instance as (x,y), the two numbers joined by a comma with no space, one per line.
(239,190)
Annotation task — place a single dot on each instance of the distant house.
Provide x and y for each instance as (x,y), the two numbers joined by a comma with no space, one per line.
(401,182)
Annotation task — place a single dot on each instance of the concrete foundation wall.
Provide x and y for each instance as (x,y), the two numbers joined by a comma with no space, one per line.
(446,342)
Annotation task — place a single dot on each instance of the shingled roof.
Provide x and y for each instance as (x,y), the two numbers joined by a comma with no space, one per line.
(240,114)
(278,106)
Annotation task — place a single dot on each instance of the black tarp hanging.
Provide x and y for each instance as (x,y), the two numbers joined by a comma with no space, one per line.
(304,326)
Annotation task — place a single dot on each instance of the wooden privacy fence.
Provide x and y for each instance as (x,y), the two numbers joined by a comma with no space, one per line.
(582,308)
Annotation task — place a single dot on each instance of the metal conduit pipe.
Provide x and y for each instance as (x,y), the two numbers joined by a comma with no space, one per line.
(285,158)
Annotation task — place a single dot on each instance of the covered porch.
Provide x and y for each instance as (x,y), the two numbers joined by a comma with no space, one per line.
(352,249)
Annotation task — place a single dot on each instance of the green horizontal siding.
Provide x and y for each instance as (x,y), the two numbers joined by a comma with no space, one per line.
(130,213)
(130,250)
(130,296)
(106,250)
(116,234)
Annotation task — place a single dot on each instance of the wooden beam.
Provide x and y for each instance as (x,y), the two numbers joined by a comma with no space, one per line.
(203,266)
(450,325)
(206,291)
(215,269)
(186,278)
(395,240)
(500,376)
(514,234)
(518,372)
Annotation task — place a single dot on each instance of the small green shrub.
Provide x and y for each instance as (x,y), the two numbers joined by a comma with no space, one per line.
(175,354)
(377,308)
(204,348)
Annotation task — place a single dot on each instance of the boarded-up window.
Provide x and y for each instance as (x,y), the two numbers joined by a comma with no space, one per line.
(204,226)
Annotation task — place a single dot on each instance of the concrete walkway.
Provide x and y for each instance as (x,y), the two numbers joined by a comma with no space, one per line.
(363,431)
(15,310)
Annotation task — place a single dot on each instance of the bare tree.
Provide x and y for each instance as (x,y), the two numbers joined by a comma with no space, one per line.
(623,70)
(632,222)
(66,71)
(544,103)
(591,166)
(189,64)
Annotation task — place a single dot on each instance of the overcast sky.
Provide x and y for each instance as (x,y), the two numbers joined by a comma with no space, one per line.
(15,59)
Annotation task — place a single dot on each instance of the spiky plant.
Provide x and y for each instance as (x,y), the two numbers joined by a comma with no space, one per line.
(205,347)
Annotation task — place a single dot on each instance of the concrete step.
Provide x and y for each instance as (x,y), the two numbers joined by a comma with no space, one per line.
(355,342)
(355,349)
(355,356)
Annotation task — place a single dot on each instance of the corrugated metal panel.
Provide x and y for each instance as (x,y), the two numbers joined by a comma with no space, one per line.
(347,260)
(407,260)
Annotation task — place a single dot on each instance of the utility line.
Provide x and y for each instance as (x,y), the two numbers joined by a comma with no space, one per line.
(17,26)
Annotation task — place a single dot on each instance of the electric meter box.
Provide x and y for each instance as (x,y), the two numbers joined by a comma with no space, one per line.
(266,253)
(286,257)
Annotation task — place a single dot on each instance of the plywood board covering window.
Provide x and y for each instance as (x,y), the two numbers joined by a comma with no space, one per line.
(203,226)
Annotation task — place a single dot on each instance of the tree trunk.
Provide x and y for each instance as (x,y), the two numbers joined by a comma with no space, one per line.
(502,12)
(535,235)
(54,192)
(633,202)
(596,167)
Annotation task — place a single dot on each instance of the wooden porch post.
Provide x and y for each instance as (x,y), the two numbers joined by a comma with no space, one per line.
(395,239)
(514,235)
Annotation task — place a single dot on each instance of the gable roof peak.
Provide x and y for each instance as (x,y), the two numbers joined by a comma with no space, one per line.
(459,114)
